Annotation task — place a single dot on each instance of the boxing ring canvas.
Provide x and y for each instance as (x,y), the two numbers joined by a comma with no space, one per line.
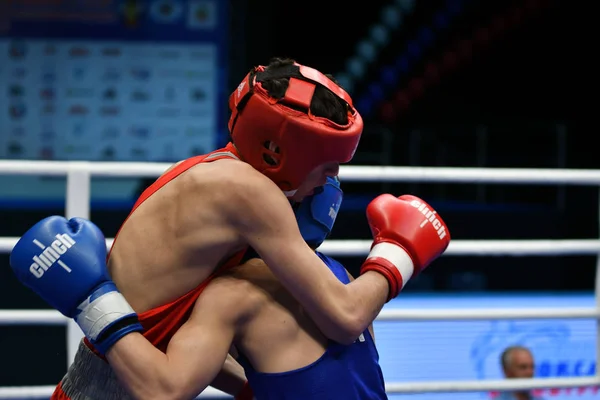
(490,325)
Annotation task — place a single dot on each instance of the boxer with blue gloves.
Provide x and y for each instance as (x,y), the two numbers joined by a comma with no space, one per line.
(64,262)
(283,353)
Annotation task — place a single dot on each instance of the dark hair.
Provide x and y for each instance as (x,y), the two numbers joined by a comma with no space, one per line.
(324,103)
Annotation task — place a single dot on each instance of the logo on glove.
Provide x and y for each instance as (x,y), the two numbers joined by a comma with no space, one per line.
(429,217)
(51,255)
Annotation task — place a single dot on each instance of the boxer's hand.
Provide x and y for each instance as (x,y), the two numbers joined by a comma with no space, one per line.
(64,262)
(408,235)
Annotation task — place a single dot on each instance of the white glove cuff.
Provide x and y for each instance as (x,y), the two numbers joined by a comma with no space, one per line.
(397,256)
(101,312)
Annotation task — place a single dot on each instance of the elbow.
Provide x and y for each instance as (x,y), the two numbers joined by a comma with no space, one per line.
(346,325)
(349,330)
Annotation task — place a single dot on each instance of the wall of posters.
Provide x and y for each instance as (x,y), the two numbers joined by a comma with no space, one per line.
(111,80)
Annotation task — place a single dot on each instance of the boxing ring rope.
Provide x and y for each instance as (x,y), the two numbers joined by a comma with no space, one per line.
(78,198)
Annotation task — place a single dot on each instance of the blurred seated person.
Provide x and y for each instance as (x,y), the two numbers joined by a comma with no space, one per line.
(517,363)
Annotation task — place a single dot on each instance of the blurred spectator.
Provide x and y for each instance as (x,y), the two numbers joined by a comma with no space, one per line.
(517,362)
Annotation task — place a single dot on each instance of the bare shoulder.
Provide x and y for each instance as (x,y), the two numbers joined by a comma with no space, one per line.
(245,194)
(240,291)
(236,177)
(248,182)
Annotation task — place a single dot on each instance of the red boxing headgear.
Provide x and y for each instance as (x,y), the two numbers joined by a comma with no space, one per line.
(303,140)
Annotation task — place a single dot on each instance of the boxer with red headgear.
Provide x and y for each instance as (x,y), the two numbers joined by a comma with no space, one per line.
(203,215)
(285,140)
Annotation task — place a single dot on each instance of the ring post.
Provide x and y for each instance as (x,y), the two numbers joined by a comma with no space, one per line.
(77,205)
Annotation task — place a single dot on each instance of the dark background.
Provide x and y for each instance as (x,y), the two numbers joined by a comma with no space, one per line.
(501,86)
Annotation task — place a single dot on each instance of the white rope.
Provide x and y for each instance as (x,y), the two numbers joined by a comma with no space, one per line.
(456,248)
(61,168)
(361,247)
(481,247)
(349,173)
(26,392)
(32,317)
(43,392)
(471,175)
(490,385)
(52,317)
(440,314)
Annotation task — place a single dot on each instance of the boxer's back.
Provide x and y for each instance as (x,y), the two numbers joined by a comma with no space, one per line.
(286,357)
(160,254)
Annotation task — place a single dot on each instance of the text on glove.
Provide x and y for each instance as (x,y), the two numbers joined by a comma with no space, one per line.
(430,217)
(51,255)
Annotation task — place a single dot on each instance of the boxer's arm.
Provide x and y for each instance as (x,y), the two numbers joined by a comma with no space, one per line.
(263,216)
(195,354)
(371,330)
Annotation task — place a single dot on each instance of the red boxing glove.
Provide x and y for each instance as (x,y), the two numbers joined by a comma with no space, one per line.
(408,235)
(246,393)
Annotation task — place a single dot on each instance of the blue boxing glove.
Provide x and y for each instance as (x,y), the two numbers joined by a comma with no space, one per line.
(64,262)
(317,213)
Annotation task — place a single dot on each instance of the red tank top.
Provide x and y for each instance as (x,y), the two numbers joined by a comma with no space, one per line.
(161,323)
